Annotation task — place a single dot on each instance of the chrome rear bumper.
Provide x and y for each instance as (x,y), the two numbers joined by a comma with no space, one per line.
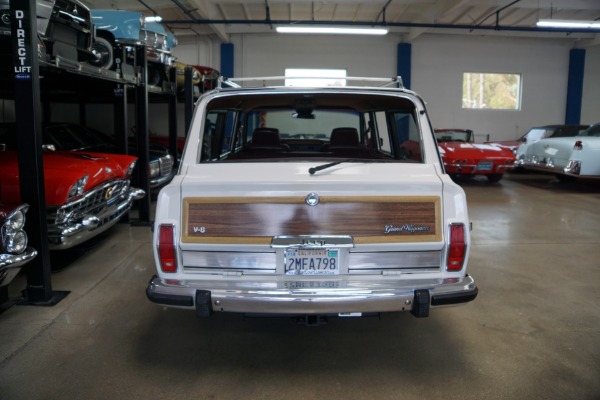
(310,296)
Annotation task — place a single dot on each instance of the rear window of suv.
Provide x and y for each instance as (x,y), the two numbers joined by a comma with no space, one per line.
(306,125)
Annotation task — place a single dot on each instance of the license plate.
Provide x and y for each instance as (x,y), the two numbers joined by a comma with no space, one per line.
(485,166)
(312,261)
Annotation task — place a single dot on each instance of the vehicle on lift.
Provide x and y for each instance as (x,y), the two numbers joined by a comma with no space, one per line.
(464,158)
(119,30)
(180,78)
(86,192)
(307,202)
(74,137)
(14,251)
(569,158)
(540,132)
(64,27)
(209,77)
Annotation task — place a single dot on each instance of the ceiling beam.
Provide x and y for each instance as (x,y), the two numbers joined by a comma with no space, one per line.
(206,10)
(440,8)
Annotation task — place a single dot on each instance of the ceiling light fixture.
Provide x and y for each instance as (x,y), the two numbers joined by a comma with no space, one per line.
(154,18)
(563,23)
(332,30)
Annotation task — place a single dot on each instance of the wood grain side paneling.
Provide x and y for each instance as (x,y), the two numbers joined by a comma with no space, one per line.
(257,220)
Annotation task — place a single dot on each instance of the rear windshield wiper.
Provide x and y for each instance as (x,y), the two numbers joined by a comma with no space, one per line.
(312,170)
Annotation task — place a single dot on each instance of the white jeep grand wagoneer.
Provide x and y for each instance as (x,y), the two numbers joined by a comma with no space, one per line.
(311,202)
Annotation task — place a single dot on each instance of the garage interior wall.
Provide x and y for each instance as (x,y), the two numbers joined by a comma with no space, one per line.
(438,62)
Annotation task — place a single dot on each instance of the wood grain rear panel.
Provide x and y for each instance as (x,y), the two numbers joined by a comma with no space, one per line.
(256,220)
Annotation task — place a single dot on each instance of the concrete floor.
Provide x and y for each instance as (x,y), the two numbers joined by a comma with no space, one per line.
(533,332)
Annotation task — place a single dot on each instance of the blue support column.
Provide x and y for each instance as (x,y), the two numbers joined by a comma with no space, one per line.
(404,63)
(227,59)
(575,86)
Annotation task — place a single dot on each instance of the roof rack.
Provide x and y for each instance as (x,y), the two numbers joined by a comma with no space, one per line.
(233,82)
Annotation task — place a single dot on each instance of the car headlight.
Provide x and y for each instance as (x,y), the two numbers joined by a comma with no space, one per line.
(78,187)
(154,169)
(15,242)
(14,239)
(16,220)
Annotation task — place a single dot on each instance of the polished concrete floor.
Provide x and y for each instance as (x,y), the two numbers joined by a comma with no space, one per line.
(533,332)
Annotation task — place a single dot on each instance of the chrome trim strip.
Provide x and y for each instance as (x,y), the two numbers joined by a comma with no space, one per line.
(394,260)
(358,263)
(239,261)
(312,241)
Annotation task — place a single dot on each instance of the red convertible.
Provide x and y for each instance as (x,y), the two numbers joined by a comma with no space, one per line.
(462,157)
(86,192)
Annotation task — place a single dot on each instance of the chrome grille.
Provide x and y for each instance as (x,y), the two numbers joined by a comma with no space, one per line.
(91,203)
(166,165)
(154,40)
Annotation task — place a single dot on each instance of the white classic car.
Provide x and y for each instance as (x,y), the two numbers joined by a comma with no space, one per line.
(567,157)
(311,202)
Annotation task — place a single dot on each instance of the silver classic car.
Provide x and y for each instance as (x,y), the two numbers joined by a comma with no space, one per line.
(311,202)
(567,157)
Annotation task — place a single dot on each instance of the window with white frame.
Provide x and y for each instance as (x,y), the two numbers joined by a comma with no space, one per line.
(491,91)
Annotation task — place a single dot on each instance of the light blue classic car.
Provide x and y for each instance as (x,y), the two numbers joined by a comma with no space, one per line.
(119,29)
(567,157)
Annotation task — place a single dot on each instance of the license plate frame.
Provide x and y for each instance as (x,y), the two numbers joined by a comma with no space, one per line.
(311,262)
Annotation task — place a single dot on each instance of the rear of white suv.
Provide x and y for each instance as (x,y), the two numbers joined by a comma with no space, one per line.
(310,202)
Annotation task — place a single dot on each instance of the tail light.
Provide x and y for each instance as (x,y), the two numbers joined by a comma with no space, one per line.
(578,145)
(166,248)
(457,247)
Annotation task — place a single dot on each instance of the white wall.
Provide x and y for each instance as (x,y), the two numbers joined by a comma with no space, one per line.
(590,109)
(438,62)
(271,54)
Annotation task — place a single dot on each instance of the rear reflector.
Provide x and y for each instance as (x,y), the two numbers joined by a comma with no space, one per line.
(166,248)
(578,145)
(457,248)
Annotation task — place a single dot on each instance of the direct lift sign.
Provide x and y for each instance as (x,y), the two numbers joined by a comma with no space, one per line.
(21,43)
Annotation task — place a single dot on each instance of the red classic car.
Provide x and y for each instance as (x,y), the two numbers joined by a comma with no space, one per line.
(86,192)
(462,157)
(14,251)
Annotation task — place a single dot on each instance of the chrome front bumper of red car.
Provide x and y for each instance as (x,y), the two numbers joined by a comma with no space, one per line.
(10,264)
(84,222)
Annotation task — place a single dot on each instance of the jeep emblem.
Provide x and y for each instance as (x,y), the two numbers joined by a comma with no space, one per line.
(312,199)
